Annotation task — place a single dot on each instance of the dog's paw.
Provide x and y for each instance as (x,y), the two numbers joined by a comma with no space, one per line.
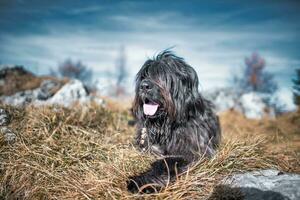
(132,185)
(136,185)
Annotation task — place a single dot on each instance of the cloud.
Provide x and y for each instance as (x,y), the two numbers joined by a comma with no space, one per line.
(86,10)
(214,44)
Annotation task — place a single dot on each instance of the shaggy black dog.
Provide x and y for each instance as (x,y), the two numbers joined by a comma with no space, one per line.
(173,121)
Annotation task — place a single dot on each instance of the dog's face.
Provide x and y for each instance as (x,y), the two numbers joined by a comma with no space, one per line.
(165,87)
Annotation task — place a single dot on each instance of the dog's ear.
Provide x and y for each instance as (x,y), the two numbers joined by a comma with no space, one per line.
(189,106)
(196,103)
(194,106)
(188,101)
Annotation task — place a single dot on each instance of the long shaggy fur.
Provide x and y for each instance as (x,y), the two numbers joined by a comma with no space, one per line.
(183,129)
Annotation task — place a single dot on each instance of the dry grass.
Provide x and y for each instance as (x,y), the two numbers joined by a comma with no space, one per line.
(86,153)
(281,136)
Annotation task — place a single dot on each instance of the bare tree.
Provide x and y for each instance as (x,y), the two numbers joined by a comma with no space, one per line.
(75,70)
(296,88)
(254,77)
(121,72)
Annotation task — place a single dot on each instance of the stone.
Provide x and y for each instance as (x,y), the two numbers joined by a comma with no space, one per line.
(20,98)
(253,105)
(4,117)
(47,89)
(266,184)
(51,93)
(15,79)
(9,135)
(71,92)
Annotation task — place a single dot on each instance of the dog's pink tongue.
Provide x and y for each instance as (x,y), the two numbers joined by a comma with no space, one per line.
(150,109)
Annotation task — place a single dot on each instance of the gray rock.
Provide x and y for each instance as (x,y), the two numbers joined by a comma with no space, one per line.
(267,184)
(4,117)
(226,192)
(20,98)
(253,105)
(223,98)
(48,89)
(9,136)
(72,92)
(44,92)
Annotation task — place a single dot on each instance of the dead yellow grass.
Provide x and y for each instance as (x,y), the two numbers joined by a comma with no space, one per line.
(87,153)
(281,135)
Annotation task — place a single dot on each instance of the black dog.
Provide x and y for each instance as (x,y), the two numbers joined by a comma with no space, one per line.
(173,121)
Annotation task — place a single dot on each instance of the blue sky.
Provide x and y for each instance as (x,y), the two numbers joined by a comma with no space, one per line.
(213,36)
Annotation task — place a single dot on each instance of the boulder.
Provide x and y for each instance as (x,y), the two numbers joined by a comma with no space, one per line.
(4,117)
(48,88)
(253,105)
(51,92)
(20,98)
(223,98)
(8,135)
(266,184)
(72,92)
(15,79)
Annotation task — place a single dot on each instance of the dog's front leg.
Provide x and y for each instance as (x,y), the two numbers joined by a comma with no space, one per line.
(158,176)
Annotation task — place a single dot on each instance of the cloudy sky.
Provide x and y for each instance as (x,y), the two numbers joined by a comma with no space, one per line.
(212,36)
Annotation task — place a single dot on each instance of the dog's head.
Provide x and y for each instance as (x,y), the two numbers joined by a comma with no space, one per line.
(166,86)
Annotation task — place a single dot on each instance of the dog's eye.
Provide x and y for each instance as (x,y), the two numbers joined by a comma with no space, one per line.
(143,76)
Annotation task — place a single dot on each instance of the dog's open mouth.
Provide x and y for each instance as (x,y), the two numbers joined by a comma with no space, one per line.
(150,107)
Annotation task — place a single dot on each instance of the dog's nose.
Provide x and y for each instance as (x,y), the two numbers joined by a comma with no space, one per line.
(146,85)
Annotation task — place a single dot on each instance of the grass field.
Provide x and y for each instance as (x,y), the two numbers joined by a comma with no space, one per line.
(87,153)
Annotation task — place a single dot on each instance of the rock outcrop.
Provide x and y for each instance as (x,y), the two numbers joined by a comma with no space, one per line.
(263,184)
(16,79)
(72,92)
(252,104)
(6,134)
(52,92)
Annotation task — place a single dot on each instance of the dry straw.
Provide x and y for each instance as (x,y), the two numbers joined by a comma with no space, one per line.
(87,153)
